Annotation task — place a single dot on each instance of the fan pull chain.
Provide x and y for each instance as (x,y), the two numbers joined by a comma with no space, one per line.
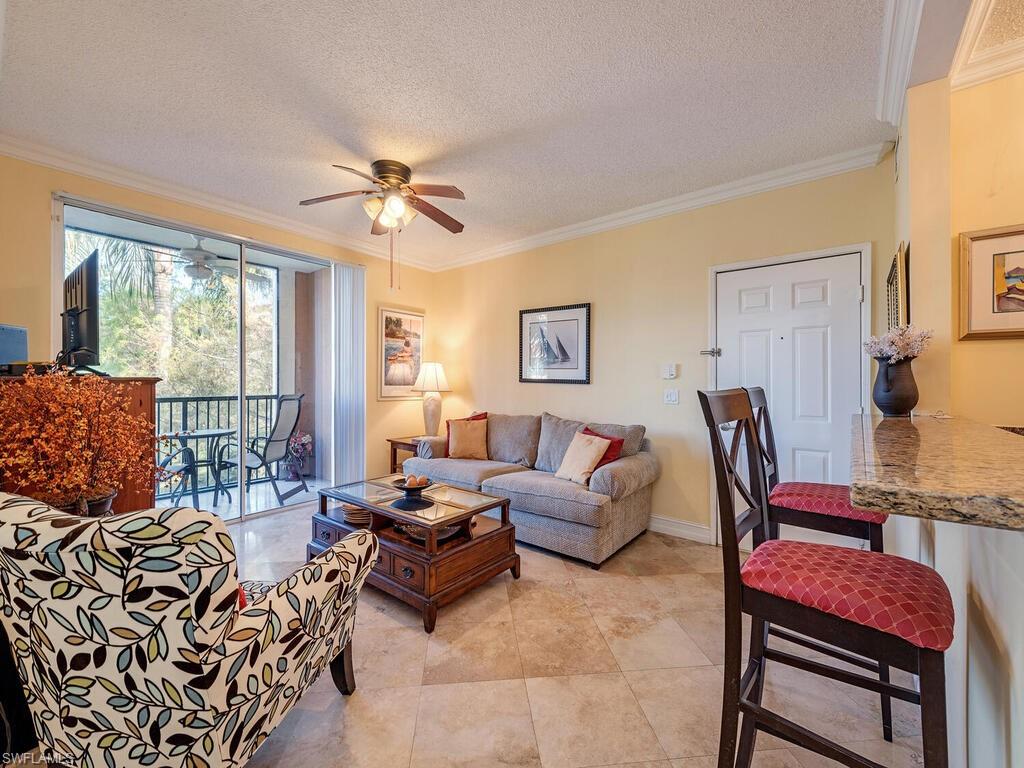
(391,256)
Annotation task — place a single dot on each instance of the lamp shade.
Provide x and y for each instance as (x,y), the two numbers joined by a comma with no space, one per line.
(431,379)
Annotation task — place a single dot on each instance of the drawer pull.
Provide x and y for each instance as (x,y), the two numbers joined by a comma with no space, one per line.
(407,572)
(325,535)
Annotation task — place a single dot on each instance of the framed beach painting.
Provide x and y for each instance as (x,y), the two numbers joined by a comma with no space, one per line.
(992,283)
(554,344)
(401,353)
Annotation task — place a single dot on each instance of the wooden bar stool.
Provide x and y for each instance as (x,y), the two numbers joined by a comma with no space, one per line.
(815,506)
(877,606)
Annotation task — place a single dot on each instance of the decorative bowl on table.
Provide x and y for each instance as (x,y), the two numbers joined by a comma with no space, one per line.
(411,491)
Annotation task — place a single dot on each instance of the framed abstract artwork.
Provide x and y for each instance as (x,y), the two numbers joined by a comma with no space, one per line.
(554,345)
(992,283)
(401,333)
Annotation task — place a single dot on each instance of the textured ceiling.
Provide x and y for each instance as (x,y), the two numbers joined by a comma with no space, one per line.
(1005,23)
(545,113)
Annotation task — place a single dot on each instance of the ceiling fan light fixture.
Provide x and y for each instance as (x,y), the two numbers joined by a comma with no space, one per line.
(386,219)
(372,206)
(394,204)
(198,271)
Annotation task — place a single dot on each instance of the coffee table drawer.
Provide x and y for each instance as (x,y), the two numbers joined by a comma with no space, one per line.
(324,533)
(383,564)
(408,572)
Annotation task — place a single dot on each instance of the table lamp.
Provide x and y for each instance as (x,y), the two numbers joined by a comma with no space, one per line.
(431,382)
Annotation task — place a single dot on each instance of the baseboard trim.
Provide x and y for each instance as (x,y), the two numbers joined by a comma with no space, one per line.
(680,529)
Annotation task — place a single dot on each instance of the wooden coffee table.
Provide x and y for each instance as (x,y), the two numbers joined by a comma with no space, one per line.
(431,553)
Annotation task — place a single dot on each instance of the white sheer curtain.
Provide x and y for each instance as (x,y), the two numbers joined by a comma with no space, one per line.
(349,373)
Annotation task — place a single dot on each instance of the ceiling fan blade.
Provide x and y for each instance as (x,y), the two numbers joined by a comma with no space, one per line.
(378,228)
(437,190)
(325,198)
(366,176)
(436,214)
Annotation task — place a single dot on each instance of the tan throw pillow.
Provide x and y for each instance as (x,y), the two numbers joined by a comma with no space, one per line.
(581,458)
(468,439)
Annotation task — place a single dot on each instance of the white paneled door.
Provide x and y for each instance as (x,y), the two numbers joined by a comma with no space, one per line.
(795,329)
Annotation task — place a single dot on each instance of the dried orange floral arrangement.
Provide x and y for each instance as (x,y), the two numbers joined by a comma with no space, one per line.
(67,440)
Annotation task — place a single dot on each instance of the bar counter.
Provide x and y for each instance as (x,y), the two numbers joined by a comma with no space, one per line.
(944,468)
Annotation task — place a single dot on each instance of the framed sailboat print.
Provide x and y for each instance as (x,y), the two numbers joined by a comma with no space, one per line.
(554,345)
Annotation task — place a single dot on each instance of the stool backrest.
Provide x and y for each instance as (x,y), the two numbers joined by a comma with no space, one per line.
(763,422)
(730,408)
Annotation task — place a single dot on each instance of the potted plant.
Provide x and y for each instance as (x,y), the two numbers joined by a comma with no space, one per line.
(300,448)
(895,391)
(69,441)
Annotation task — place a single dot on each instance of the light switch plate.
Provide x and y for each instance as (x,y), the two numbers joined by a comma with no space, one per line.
(671,397)
(668,371)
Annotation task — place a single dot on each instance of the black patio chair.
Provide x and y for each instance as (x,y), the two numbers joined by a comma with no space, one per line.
(264,452)
(181,464)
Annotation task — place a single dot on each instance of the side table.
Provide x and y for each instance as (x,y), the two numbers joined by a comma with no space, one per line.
(401,444)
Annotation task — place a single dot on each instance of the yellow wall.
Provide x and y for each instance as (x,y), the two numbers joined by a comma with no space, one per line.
(987,135)
(26,264)
(648,286)
(987,138)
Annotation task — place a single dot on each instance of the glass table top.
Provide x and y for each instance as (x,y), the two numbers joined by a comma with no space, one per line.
(440,504)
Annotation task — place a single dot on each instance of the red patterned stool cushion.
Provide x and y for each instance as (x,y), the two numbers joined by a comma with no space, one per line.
(823,499)
(885,592)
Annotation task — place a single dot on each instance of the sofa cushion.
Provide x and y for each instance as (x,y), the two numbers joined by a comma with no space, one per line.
(467,439)
(632,435)
(585,451)
(541,493)
(475,416)
(614,449)
(464,473)
(555,435)
(513,439)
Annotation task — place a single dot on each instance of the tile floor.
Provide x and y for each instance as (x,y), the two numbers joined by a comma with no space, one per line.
(564,668)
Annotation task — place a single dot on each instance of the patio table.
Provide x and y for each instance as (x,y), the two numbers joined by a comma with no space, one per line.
(212,438)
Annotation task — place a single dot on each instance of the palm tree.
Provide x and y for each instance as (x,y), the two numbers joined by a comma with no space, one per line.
(132,269)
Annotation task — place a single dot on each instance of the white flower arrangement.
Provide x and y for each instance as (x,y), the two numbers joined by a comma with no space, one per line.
(903,343)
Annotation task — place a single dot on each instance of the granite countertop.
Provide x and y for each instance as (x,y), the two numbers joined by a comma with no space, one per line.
(939,468)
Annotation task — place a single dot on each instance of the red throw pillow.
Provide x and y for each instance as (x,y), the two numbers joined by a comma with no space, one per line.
(614,450)
(242,602)
(448,422)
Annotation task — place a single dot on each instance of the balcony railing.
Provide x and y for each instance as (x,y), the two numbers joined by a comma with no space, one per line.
(187,414)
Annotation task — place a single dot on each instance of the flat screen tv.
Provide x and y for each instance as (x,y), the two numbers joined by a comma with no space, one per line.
(81,315)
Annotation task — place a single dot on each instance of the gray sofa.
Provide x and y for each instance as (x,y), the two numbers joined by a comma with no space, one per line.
(591,522)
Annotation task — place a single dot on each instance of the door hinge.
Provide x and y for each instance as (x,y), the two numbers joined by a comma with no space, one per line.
(862,294)
(713,352)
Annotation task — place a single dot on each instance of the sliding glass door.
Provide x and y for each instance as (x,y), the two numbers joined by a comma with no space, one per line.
(287,377)
(239,337)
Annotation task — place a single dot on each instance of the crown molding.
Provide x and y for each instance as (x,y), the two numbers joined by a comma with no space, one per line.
(64,161)
(899,39)
(866,157)
(973,68)
(857,159)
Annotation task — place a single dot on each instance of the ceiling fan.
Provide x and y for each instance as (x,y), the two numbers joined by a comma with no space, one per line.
(396,201)
(200,264)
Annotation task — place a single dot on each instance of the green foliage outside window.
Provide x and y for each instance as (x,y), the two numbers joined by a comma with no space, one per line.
(155,320)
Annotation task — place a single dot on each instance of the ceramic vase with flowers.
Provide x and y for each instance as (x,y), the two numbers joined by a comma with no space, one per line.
(895,391)
(71,442)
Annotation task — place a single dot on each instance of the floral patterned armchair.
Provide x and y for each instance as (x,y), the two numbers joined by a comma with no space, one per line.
(128,636)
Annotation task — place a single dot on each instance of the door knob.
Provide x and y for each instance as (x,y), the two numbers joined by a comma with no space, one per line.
(713,352)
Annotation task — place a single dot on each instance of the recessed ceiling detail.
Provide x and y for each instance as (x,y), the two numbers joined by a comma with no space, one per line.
(992,43)
(547,115)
